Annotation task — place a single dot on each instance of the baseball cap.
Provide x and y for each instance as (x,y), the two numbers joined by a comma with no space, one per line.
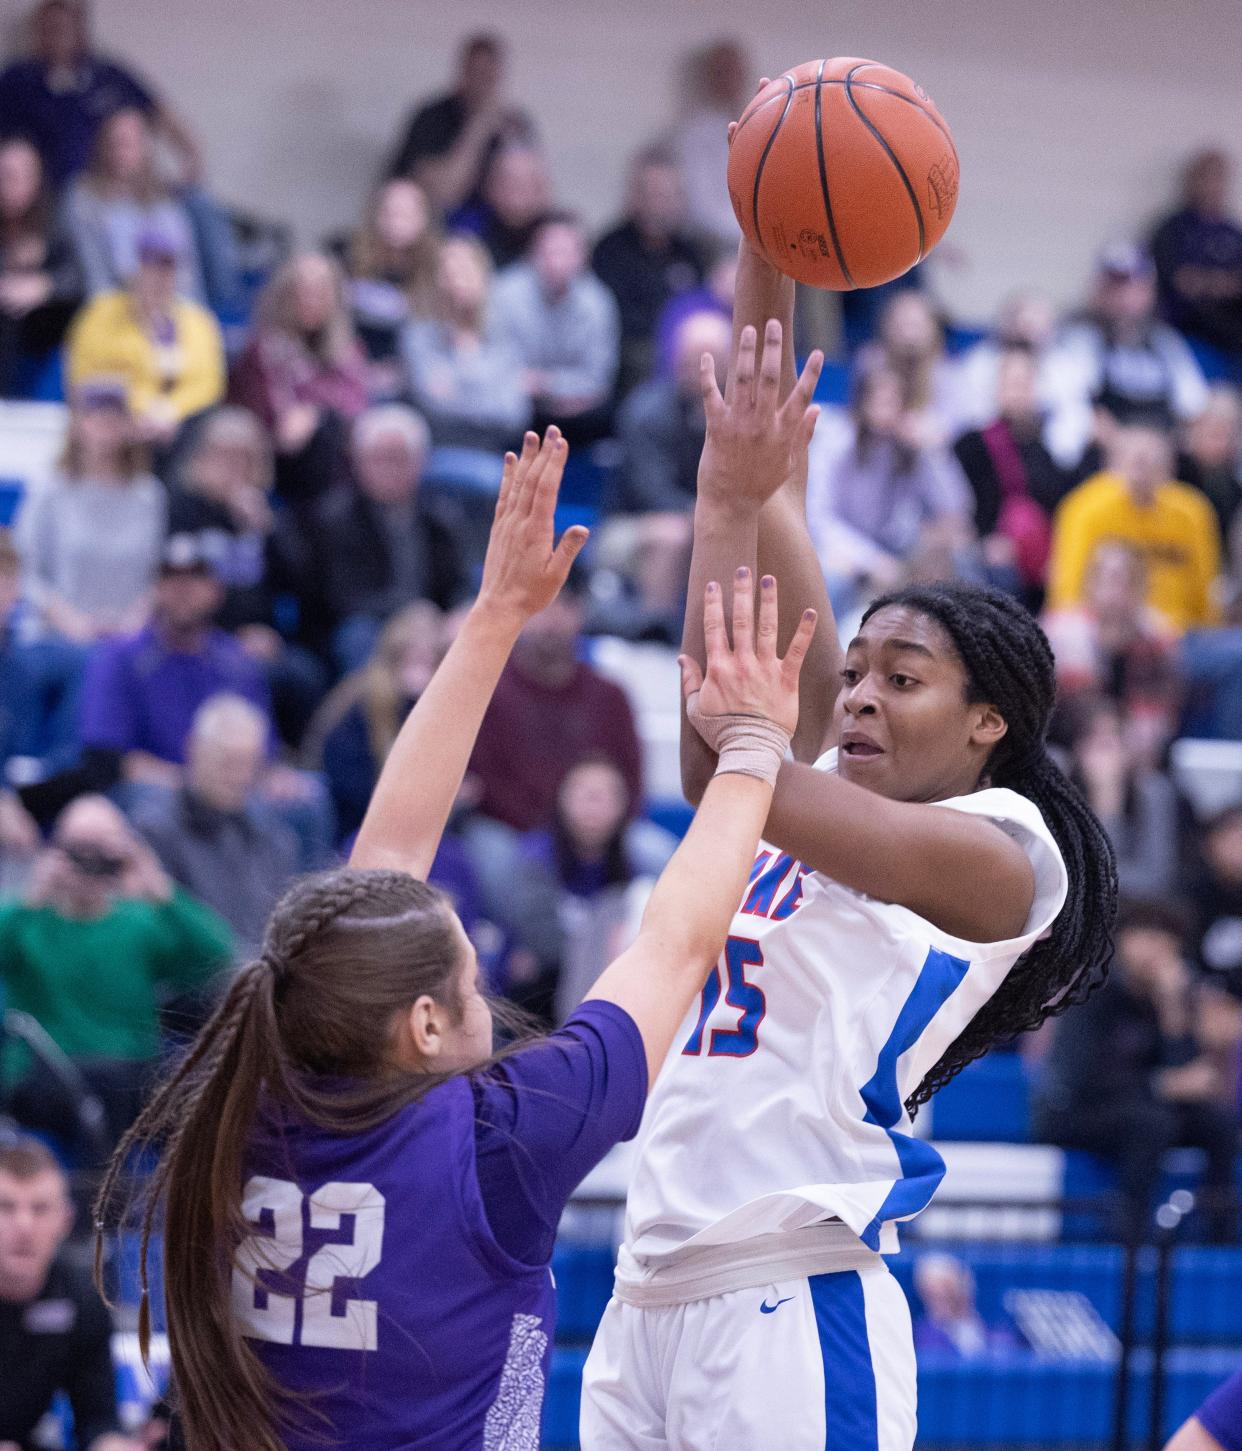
(157,244)
(1124,259)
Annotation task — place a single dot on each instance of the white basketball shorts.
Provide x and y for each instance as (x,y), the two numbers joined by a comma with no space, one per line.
(824,1363)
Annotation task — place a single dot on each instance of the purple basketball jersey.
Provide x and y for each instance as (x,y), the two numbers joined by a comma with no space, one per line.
(374,1283)
(413,1328)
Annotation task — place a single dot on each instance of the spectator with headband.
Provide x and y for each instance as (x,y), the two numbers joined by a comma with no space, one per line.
(55,1331)
(63,91)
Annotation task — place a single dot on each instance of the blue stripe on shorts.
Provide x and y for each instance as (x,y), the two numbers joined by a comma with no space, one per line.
(849,1378)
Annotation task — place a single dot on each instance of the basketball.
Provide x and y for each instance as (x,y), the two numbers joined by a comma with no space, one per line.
(843,173)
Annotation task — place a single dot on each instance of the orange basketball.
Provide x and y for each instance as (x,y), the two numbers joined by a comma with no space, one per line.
(843,173)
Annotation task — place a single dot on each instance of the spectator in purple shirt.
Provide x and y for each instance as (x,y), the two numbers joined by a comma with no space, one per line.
(142,691)
(358,1200)
(1198,256)
(61,93)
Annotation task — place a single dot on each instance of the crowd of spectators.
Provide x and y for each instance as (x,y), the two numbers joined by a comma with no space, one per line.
(216,611)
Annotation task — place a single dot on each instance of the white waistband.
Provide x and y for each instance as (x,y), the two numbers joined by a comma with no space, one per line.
(820,1249)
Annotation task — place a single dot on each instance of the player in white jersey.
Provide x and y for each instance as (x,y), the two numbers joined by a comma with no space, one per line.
(930,883)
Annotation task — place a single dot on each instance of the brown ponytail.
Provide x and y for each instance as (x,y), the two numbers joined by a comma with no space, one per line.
(344,951)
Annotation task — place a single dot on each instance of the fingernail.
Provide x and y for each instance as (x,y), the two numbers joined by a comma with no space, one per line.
(808,615)
(712,586)
(553,432)
(767,581)
(743,572)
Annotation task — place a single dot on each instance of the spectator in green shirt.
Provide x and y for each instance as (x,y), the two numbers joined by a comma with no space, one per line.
(102,937)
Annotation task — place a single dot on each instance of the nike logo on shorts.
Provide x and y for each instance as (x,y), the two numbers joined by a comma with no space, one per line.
(766,1309)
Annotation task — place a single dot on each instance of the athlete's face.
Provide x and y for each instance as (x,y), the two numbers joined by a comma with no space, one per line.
(903,723)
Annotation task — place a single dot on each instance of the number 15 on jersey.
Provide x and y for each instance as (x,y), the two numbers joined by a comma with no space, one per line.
(740,994)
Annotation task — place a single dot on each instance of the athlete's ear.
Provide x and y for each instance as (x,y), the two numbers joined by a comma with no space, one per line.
(422,1030)
(989,726)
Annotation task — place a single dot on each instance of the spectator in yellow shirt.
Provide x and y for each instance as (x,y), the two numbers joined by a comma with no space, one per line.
(1171,525)
(167,349)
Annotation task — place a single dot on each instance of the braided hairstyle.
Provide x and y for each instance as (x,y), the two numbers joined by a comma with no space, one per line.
(1009,664)
(344,952)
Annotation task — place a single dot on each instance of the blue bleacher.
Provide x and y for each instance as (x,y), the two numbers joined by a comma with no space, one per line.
(583,1274)
(988,1102)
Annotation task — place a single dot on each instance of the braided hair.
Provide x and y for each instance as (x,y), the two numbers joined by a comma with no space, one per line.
(344,951)
(1009,664)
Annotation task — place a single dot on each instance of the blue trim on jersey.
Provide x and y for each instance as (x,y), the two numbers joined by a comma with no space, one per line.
(922,1168)
(850,1417)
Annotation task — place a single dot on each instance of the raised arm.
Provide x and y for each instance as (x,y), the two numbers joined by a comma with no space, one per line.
(754,443)
(748,706)
(522,574)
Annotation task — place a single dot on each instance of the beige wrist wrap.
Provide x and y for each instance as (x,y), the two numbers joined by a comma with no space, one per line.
(747,745)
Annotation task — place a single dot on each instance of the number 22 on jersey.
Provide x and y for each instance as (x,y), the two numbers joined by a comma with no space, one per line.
(746,997)
(276,1207)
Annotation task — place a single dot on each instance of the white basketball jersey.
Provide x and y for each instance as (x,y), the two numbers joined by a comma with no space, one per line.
(781,1105)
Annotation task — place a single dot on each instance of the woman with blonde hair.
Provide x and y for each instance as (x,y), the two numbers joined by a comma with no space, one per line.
(464,380)
(354,728)
(120,196)
(303,363)
(391,265)
(91,537)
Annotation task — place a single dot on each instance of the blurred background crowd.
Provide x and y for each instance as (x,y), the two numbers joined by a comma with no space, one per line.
(273,489)
(266,502)
(269,495)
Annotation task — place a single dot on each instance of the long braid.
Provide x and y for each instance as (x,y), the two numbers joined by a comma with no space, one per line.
(1009,664)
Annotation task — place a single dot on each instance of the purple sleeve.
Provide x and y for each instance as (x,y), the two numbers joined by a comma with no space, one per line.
(547,1115)
(1221,1414)
(108,720)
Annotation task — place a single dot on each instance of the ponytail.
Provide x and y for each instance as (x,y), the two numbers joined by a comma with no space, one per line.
(344,952)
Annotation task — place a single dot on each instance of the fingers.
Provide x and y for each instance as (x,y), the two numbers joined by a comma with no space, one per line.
(714,636)
(534,494)
(567,551)
(713,403)
(791,665)
(550,468)
(770,365)
(743,613)
(799,400)
(744,364)
(691,676)
(806,427)
(519,479)
(765,639)
(504,499)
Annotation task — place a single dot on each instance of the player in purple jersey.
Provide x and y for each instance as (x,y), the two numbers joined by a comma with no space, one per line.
(1217,1424)
(358,1197)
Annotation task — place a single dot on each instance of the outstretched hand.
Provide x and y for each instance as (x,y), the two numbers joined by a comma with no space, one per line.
(754,442)
(747,678)
(523,572)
